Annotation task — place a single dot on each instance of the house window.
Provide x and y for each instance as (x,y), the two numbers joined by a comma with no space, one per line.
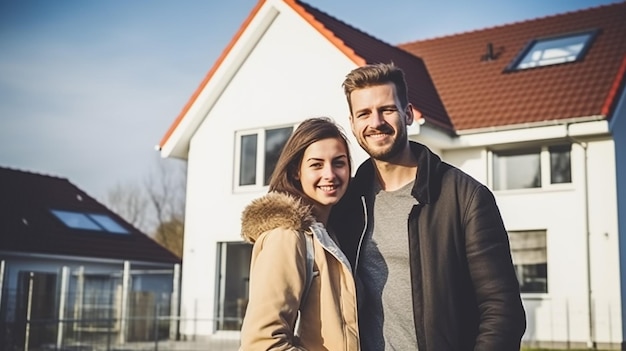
(560,164)
(95,303)
(34,301)
(89,221)
(247,160)
(519,169)
(531,168)
(233,275)
(554,50)
(258,152)
(529,253)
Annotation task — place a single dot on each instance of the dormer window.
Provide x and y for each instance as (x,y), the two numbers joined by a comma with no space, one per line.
(553,51)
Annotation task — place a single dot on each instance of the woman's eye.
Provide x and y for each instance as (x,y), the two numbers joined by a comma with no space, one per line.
(340,164)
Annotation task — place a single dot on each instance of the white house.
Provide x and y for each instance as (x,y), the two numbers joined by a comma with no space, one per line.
(534,110)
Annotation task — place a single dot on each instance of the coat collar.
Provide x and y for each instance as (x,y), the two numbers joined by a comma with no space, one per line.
(428,182)
(274,210)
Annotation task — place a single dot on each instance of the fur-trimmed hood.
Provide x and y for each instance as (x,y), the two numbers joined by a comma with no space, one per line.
(274,210)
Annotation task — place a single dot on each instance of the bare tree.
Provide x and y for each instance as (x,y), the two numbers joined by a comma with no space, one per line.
(156,206)
(130,202)
(170,235)
(166,194)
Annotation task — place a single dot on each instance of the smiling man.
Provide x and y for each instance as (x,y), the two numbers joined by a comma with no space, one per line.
(426,241)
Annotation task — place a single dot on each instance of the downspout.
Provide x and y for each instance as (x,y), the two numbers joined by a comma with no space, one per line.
(591,344)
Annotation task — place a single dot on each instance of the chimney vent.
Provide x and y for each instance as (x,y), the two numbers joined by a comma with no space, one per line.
(489,56)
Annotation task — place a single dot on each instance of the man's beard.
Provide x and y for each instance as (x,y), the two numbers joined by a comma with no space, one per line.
(388,154)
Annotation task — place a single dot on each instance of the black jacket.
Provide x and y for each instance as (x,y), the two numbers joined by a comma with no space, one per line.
(465,291)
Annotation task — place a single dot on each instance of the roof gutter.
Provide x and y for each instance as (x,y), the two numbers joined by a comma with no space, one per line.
(518,133)
(65,257)
(552,122)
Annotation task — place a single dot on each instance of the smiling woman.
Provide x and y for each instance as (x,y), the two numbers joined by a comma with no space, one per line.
(311,175)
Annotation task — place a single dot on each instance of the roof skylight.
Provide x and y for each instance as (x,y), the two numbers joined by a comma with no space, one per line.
(554,50)
(89,221)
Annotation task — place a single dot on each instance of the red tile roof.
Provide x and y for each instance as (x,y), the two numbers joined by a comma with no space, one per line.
(28,226)
(356,45)
(480,94)
(368,49)
(454,89)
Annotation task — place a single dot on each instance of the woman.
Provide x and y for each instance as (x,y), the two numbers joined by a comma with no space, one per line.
(311,175)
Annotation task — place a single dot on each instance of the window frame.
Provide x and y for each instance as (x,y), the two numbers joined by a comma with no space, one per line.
(545,167)
(517,265)
(90,221)
(107,292)
(232,270)
(260,133)
(514,66)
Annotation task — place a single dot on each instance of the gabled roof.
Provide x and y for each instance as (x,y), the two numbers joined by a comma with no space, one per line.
(27,226)
(368,49)
(480,94)
(358,46)
(455,90)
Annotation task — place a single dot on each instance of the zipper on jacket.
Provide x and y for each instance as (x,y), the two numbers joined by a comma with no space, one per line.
(358,249)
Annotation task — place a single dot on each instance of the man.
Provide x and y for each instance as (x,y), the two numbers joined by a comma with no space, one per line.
(426,241)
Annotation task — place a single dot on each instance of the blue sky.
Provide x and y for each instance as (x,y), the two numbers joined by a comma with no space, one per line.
(88,88)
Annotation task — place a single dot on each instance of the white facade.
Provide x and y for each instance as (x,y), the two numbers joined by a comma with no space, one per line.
(268,88)
(580,220)
(280,71)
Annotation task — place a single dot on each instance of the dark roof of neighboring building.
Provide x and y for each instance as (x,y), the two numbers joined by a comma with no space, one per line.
(481,94)
(27,225)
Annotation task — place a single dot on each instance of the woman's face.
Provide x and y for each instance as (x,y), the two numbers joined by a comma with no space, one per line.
(325,171)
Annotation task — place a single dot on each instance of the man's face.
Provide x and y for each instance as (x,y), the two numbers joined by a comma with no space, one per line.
(378,122)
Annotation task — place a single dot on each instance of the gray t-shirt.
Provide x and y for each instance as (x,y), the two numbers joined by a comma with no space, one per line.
(386,313)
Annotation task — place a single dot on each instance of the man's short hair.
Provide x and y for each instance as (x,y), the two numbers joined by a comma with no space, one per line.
(376,74)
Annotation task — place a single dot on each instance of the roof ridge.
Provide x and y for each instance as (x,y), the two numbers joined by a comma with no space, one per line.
(351,27)
(369,49)
(302,3)
(24,171)
(508,24)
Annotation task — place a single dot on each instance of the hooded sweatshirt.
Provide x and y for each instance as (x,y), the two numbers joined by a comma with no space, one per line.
(277,224)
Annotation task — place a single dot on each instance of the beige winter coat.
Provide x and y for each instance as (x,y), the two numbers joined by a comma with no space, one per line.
(276,224)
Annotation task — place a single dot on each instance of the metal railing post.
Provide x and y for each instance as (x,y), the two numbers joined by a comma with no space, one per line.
(65,273)
(28,310)
(175,304)
(156,326)
(124,307)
